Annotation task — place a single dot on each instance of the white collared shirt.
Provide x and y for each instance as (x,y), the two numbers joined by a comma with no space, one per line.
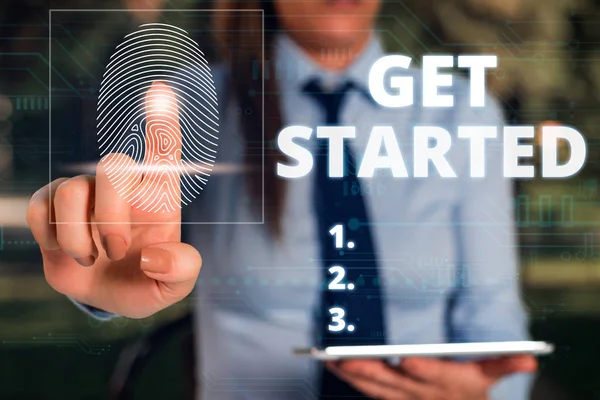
(447,249)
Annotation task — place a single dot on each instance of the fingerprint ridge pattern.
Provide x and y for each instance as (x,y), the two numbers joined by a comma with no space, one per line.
(160,179)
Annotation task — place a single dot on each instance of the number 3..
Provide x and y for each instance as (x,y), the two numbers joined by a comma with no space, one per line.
(337,318)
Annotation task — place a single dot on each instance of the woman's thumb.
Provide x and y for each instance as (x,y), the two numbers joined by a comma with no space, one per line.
(174,265)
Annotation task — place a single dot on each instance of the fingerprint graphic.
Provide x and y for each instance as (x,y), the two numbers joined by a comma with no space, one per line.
(158,119)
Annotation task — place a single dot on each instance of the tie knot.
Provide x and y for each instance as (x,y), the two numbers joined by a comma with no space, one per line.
(331,101)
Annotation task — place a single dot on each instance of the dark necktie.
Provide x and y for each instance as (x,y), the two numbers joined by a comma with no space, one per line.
(340,201)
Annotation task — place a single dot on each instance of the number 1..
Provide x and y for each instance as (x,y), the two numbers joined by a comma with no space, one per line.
(338,233)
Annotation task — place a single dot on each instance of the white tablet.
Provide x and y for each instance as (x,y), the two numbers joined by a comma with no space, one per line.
(479,350)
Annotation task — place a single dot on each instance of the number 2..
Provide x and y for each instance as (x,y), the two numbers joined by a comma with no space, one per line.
(339,276)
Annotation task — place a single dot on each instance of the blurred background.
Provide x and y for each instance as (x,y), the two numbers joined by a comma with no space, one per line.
(549,70)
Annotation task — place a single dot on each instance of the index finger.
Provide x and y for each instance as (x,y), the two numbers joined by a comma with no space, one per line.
(500,367)
(162,161)
(383,376)
(163,133)
(432,370)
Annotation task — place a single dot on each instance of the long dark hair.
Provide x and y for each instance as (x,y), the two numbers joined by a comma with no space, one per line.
(240,38)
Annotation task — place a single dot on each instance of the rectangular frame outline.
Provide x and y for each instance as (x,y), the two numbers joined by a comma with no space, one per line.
(262,12)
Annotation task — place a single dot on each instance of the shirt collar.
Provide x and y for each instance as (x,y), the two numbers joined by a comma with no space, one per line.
(294,68)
